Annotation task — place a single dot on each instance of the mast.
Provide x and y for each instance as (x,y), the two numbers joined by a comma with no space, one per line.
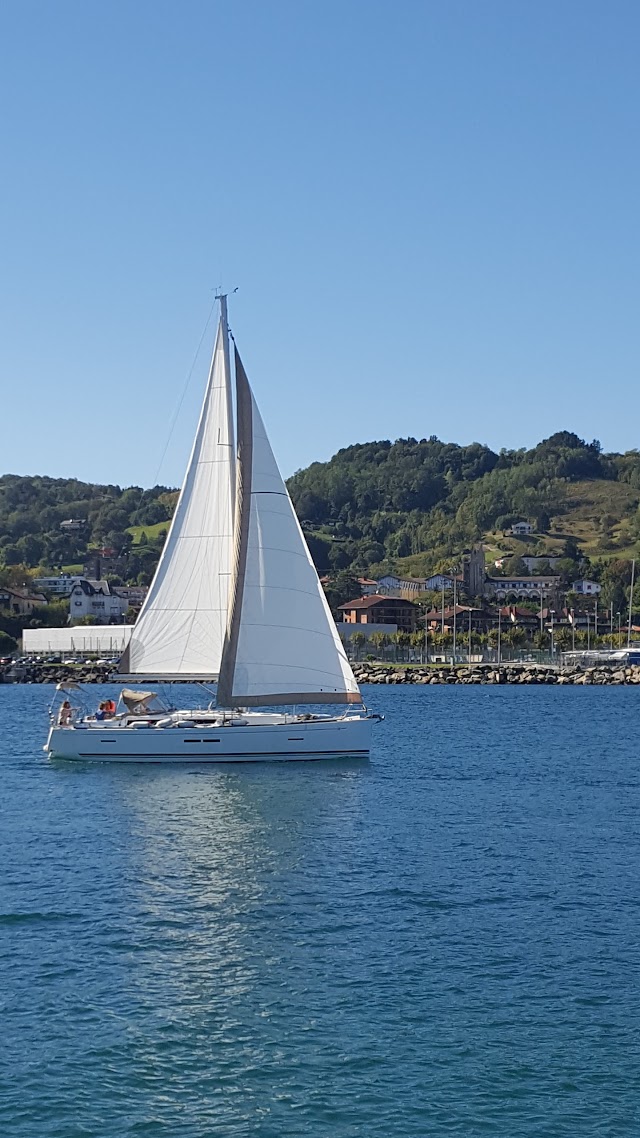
(224,328)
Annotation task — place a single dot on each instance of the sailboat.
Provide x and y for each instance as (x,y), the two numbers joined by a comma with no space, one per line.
(235,600)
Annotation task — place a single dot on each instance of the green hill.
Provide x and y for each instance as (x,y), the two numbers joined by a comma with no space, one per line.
(412,505)
(35,513)
(408,506)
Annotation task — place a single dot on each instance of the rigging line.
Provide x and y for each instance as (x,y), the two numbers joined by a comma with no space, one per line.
(184,392)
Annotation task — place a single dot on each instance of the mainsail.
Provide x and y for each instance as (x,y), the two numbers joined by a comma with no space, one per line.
(180,630)
(282,645)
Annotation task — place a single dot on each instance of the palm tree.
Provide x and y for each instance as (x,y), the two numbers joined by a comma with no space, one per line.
(358,640)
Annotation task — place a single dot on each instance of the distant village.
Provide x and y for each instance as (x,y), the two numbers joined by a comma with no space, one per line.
(472,603)
(73,599)
(538,608)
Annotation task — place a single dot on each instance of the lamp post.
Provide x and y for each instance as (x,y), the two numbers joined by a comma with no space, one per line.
(631,602)
(573,630)
(442,614)
(552,652)
(619,616)
(499,629)
(455,605)
(611,625)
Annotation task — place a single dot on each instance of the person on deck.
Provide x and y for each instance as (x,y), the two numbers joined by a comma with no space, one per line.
(64,715)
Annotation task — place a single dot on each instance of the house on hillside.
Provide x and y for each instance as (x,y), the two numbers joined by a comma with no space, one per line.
(521,529)
(73,525)
(94,598)
(439,581)
(368,586)
(587,588)
(408,587)
(134,595)
(380,609)
(19,602)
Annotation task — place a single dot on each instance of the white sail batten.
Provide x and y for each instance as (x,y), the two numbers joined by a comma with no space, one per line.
(282,645)
(181,627)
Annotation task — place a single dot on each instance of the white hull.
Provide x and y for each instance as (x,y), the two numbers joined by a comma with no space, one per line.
(237,743)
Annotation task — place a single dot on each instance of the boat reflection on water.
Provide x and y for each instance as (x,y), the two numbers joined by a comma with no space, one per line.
(219,876)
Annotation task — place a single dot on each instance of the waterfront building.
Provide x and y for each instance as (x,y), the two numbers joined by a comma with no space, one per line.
(380,609)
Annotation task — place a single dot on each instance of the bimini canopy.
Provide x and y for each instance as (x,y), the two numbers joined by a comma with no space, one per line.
(135,700)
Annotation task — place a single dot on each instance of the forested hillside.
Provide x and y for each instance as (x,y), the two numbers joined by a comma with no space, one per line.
(407,506)
(410,504)
(33,511)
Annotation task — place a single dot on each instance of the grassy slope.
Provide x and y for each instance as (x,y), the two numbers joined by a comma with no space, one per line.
(586,504)
(151,531)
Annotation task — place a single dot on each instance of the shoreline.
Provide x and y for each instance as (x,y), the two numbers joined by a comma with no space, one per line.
(509,673)
(376,673)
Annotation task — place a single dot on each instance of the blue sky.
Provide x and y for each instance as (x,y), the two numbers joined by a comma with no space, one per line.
(430,210)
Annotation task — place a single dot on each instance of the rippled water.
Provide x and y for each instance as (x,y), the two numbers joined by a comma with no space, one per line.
(445,940)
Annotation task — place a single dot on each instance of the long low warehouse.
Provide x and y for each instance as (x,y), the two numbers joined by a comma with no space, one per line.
(105,639)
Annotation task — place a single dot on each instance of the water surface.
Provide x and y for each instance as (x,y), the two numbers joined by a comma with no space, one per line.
(442,941)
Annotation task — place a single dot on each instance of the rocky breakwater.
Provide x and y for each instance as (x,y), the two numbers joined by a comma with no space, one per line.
(55,673)
(374,673)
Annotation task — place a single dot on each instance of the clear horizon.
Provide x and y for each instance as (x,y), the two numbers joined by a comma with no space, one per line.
(431,218)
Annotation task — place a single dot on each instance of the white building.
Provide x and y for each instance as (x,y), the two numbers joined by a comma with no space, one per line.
(522,529)
(406,587)
(587,588)
(522,587)
(108,641)
(94,598)
(59,586)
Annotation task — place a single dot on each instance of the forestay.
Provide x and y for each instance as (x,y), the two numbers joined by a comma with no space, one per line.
(180,630)
(282,645)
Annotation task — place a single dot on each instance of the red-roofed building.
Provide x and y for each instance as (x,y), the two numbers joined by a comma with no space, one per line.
(382,610)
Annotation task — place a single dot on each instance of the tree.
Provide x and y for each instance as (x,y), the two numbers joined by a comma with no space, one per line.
(515,567)
(338,557)
(563,638)
(341,588)
(7,644)
(379,640)
(358,640)
(571,549)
